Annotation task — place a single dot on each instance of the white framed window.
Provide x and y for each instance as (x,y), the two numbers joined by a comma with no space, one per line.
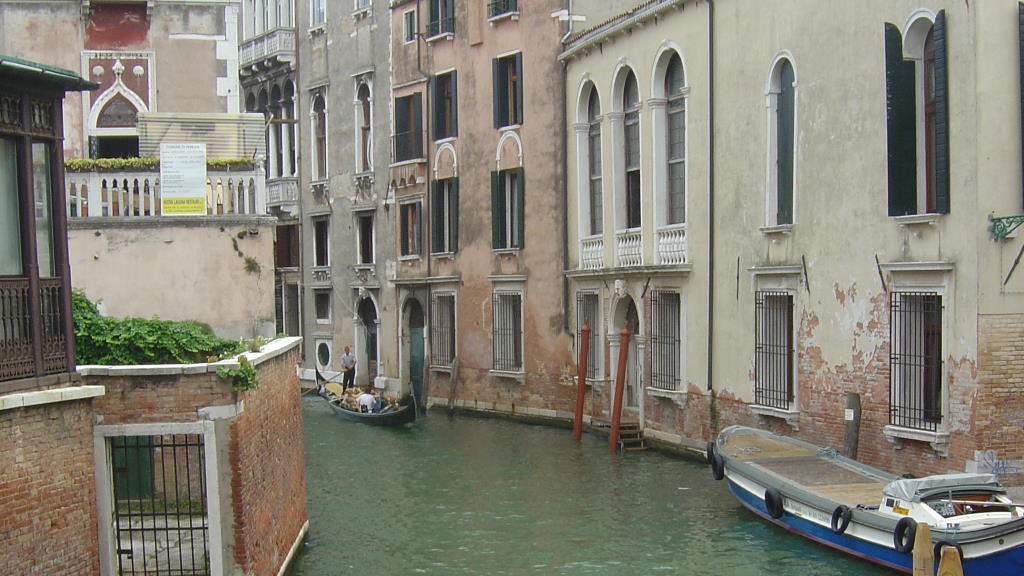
(321,241)
(322,305)
(666,340)
(588,313)
(359,5)
(318,118)
(364,121)
(916,367)
(632,200)
(507,90)
(317,13)
(507,209)
(507,330)
(782,142)
(774,356)
(410,216)
(365,235)
(440,17)
(594,165)
(409,26)
(323,354)
(444,224)
(675,142)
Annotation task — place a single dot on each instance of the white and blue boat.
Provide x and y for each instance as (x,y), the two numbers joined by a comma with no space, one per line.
(866,512)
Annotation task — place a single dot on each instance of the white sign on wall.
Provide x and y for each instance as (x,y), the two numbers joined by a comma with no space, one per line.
(183,178)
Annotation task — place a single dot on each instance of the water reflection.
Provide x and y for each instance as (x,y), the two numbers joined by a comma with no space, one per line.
(480,496)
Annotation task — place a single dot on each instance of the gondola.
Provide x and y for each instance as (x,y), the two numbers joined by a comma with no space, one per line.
(403,415)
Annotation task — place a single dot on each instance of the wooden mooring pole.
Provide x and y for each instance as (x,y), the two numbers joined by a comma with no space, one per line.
(620,382)
(924,556)
(581,378)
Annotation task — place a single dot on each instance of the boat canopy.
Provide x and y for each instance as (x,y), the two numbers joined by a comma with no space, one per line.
(914,489)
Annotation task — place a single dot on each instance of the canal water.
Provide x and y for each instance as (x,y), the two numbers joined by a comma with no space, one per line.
(468,495)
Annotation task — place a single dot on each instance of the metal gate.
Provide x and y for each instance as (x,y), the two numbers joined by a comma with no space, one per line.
(160,512)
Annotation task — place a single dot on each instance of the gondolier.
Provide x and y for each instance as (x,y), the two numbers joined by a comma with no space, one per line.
(348,368)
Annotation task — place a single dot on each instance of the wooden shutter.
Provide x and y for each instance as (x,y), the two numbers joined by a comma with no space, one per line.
(901,132)
(941,115)
(417,125)
(436,106)
(436,217)
(453,216)
(497,93)
(497,212)
(449,15)
(785,148)
(453,88)
(520,204)
(519,89)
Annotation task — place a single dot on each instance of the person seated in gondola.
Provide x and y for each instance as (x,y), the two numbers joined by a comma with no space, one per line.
(367,402)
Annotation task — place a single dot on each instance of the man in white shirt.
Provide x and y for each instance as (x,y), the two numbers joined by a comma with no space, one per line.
(348,368)
(367,402)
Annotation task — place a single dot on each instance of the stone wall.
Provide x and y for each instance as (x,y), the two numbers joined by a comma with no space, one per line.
(48,491)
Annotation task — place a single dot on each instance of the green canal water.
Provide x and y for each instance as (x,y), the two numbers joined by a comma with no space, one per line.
(466,495)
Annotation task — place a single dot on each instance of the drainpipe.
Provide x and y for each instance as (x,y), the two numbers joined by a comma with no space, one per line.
(427,317)
(711,193)
(565,178)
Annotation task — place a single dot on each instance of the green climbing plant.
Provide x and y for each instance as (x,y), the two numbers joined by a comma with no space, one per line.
(242,378)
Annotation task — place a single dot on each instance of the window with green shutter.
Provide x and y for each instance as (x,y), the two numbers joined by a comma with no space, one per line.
(785,145)
(507,209)
(916,72)
(507,90)
(445,102)
(444,222)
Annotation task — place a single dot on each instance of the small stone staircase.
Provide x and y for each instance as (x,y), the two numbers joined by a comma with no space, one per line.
(631,436)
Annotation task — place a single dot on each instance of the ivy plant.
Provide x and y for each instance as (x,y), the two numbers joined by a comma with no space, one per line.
(242,378)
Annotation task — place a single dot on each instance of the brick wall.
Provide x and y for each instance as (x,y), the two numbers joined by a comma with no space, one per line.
(268,469)
(999,406)
(48,491)
(144,399)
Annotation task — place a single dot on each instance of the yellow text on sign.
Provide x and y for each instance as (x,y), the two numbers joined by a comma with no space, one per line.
(184,206)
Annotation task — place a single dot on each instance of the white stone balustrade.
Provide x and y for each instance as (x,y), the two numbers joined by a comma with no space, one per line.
(278,43)
(592,253)
(672,245)
(129,194)
(629,248)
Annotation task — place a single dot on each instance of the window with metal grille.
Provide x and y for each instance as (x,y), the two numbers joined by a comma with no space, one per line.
(440,17)
(915,364)
(588,313)
(442,330)
(773,349)
(508,331)
(665,340)
(497,8)
(160,510)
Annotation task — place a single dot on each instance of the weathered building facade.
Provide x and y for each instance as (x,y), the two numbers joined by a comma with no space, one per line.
(477,174)
(787,205)
(348,214)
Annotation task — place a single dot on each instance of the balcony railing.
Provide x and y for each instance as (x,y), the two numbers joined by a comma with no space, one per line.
(92,194)
(277,44)
(592,253)
(17,348)
(629,248)
(672,245)
(439,27)
(281,191)
(497,8)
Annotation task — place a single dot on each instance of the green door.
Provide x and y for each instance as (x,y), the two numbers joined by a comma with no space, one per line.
(416,362)
(133,467)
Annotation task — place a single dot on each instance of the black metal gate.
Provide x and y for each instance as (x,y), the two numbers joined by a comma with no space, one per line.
(160,512)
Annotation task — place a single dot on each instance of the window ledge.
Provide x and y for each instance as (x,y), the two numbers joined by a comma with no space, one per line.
(506,251)
(443,255)
(318,30)
(369,266)
(361,13)
(510,127)
(323,322)
(777,229)
(441,369)
(441,36)
(446,140)
(409,162)
(517,376)
(512,15)
(939,440)
(792,417)
(409,257)
(665,393)
(915,219)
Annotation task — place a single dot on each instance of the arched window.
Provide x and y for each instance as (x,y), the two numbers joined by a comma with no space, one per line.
(631,138)
(276,140)
(782,143)
(917,117)
(675,92)
(594,162)
(288,109)
(320,135)
(365,159)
